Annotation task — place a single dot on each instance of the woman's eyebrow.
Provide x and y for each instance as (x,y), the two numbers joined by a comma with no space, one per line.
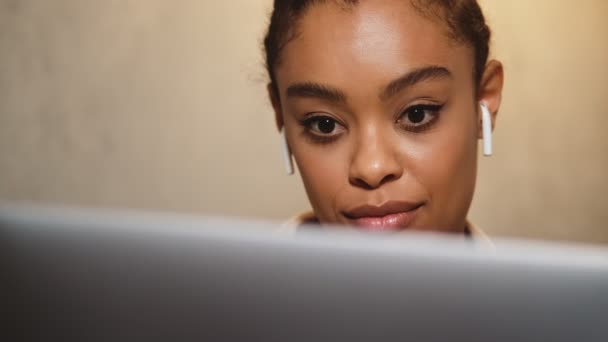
(413,77)
(316,90)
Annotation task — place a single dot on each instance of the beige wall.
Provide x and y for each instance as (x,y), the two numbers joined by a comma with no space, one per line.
(160,104)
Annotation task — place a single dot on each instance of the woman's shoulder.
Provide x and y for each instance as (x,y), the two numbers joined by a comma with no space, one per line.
(478,234)
(302,219)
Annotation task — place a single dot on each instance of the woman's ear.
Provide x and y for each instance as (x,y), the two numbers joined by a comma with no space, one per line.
(278,116)
(490,90)
(276,105)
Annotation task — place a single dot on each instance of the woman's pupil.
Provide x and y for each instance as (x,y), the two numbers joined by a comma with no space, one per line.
(327,125)
(416,115)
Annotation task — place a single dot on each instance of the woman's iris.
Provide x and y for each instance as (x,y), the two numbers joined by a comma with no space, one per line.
(326,125)
(416,115)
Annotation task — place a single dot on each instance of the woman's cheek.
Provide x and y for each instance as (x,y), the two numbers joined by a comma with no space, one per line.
(447,169)
(322,170)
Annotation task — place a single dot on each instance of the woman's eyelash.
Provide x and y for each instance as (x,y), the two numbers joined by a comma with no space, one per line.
(422,117)
(434,108)
(319,137)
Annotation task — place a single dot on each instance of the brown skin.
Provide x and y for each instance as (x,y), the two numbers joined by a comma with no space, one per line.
(375,153)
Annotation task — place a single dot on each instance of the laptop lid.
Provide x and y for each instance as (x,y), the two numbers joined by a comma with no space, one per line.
(90,275)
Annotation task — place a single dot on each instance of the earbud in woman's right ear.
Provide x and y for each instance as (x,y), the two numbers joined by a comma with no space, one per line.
(486,125)
(286,153)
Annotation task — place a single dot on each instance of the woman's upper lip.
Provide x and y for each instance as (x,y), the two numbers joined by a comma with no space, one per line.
(388,208)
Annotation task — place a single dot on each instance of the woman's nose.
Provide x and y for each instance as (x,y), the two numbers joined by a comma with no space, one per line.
(374,161)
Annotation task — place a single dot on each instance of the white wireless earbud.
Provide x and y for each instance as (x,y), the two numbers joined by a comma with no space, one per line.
(486,125)
(286,153)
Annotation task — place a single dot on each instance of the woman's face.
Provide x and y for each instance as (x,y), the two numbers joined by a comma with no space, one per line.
(381,115)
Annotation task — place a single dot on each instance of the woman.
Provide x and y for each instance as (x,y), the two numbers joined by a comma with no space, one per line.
(381,104)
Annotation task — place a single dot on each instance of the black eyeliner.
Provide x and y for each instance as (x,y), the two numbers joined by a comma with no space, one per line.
(433,108)
(317,138)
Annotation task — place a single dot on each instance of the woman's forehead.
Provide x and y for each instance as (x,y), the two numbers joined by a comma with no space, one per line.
(378,39)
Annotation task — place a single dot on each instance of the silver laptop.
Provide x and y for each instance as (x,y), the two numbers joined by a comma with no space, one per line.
(91,275)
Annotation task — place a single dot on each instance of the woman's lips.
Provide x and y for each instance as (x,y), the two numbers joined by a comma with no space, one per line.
(390,216)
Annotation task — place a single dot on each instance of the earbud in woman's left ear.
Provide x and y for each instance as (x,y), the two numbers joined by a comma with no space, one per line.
(486,125)
(286,153)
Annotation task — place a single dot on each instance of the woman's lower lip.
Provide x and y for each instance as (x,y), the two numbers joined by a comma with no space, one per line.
(392,222)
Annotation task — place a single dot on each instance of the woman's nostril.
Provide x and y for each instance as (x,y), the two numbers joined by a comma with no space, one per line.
(388,178)
(371,183)
(362,184)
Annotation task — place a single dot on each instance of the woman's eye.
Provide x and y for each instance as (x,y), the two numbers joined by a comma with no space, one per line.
(419,117)
(323,125)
